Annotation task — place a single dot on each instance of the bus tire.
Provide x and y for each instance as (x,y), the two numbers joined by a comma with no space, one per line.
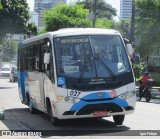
(54,121)
(118,119)
(148,96)
(27,100)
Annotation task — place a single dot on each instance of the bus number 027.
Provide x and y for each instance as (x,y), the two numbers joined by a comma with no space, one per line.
(75,93)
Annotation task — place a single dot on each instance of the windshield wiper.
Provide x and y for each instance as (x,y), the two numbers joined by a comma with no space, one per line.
(107,67)
(84,67)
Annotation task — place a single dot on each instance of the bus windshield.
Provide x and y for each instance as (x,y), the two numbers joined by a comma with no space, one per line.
(94,56)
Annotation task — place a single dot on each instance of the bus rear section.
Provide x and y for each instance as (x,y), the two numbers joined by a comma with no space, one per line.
(90,76)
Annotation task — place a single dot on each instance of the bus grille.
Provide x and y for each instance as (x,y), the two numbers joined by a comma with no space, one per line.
(110,107)
(88,109)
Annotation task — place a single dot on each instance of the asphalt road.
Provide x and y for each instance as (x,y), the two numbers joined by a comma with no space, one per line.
(17,117)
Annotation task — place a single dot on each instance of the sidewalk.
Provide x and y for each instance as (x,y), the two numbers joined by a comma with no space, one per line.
(155,93)
(154,87)
(3,126)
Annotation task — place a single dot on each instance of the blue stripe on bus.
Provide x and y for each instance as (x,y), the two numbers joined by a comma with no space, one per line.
(82,103)
(21,83)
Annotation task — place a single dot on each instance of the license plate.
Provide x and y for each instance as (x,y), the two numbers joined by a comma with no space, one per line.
(100,113)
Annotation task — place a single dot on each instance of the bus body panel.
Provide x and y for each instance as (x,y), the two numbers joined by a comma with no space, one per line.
(35,84)
(69,103)
(95,100)
(51,92)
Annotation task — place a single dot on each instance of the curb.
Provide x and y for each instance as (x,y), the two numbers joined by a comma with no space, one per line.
(154,87)
(1,114)
(156,96)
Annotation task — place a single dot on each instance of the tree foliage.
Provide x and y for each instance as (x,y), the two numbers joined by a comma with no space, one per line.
(0,6)
(123,27)
(147,25)
(31,29)
(103,9)
(65,16)
(9,48)
(13,17)
(41,30)
(103,23)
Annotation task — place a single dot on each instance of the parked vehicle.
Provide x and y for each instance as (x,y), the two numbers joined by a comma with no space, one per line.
(5,71)
(13,74)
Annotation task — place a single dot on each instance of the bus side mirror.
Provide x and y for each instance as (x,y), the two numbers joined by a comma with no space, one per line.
(46,58)
(129,49)
(128,46)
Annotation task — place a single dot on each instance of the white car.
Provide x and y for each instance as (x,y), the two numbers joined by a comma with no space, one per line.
(5,71)
(13,74)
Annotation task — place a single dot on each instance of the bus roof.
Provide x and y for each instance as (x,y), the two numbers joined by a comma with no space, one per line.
(80,31)
(72,31)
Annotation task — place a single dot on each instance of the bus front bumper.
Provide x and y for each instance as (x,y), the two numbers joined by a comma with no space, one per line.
(87,109)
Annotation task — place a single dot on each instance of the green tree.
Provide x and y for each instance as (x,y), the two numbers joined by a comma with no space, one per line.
(13,17)
(31,29)
(103,9)
(0,5)
(147,25)
(9,49)
(103,23)
(65,16)
(123,27)
(41,30)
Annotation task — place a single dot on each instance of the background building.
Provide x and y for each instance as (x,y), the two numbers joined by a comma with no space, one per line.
(33,18)
(40,5)
(125,9)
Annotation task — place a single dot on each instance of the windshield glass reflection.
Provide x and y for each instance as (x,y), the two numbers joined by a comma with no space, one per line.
(91,56)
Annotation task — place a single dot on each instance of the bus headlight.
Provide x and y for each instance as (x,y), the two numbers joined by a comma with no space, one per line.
(71,99)
(67,98)
(127,95)
(74,100)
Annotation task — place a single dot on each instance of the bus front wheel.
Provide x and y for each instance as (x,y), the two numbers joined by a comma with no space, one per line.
(54,121)
(118,119)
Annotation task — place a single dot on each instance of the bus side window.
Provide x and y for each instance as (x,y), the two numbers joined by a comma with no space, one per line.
(36,52)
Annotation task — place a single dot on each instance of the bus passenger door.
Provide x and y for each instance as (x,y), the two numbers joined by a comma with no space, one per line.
(47,72)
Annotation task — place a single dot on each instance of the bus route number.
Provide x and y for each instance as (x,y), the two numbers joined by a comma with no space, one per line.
(74,93)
